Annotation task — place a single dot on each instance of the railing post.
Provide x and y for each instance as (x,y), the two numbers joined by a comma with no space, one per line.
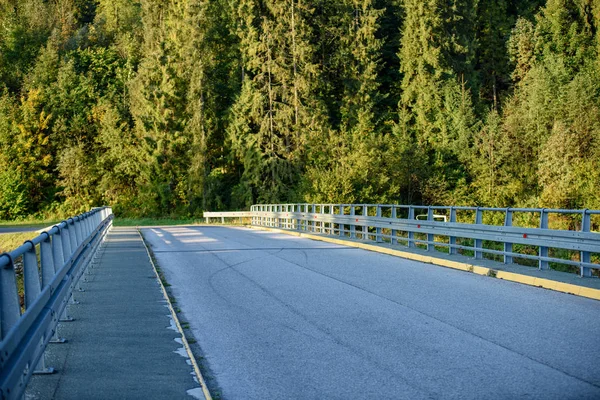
(31,276)
(46,261)
(508,247)
(365,227)
(78,233)
(57,249)
(58,259)
(10,309)
(72,235)
(478,242)
(320,224)
(332,224)
(284,209)
(378,238)
(411,235)
(313,222)
(393,239)
(32,288)
(353,226)
(66,242)
(362,227)
(430,236)
(85,226)
(585,256)
(63,254)
(452,239)
(342,230)
(274,217)
(543,251)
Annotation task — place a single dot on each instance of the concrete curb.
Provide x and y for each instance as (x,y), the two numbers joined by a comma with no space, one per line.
(188,349)
(479,270)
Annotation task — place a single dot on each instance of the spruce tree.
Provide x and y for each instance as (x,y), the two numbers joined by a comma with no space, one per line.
(555,74)
(436,106)
(158,106)
(343,168)
(276,112)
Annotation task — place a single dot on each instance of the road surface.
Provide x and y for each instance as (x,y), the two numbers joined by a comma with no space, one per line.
(19,229)
(281,317)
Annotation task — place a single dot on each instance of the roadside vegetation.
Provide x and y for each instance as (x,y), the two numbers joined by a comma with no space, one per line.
(170,108)
(10,241)
(28,223)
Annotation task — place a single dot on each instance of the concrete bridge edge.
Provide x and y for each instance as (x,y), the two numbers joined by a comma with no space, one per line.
(200,378)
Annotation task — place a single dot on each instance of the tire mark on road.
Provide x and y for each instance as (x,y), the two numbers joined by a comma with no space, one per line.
(541,362)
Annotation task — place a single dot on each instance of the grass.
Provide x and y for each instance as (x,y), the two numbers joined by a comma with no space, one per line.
(10,241)
(29,223)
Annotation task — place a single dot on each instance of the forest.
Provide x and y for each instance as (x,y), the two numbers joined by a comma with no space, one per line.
(173,107)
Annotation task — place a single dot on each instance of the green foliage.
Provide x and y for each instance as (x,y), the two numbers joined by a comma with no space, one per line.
(277,111)
(10,241)
(13,197)
(25,28)
(175,107)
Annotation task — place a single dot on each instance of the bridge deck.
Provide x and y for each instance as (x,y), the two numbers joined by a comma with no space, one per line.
(122,343)
(284,317)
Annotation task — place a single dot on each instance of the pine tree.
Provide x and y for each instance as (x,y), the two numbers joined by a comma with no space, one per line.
(343,168)
(423,67)
(436,106)
(493,29)
(276,112)
(158,95)
(544,117)
(208,54)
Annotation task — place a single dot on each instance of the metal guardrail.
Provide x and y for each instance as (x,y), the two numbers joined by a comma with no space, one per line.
(226,214)
(51,266)
(399,224)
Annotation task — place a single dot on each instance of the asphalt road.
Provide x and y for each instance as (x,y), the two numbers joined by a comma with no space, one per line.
(280,317)
(18,229)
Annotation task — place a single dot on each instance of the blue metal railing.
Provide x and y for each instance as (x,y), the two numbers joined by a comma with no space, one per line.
(51,266)
(421,225)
